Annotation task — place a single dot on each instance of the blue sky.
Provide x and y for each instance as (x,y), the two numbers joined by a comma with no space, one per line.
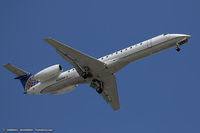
(157,94)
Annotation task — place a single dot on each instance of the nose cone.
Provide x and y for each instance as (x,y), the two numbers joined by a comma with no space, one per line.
(185,36)
(181,36)
(188,36)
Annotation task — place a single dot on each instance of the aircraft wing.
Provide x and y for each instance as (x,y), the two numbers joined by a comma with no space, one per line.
(110,93)
(76,58)
(80,60)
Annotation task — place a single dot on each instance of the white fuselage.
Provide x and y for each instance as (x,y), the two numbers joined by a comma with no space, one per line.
(69,79)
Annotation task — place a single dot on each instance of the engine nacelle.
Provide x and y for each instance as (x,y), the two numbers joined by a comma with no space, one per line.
(49,72)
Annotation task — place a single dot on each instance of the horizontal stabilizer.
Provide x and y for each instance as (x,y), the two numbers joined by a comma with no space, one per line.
(18,72)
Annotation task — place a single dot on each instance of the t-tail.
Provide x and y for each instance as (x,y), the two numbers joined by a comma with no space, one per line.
(26,78)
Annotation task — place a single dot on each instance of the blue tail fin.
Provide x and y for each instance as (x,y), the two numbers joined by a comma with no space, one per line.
(24,79)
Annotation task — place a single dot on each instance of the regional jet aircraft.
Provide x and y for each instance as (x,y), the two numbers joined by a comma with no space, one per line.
(99,73)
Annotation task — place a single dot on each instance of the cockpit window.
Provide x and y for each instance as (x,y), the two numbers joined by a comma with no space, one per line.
(164,34)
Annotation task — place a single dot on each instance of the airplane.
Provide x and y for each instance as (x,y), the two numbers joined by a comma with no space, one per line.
(99,73)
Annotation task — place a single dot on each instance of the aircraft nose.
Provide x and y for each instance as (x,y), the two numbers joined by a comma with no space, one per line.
(183,36)
(188,36)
